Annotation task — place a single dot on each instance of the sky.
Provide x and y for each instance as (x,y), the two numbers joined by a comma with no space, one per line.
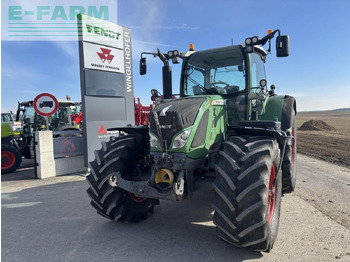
(317,72)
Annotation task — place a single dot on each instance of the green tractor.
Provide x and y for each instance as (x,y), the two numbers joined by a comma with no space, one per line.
(225,128)
(21,143)
(10,154)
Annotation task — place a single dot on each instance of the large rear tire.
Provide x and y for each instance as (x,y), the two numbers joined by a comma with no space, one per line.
(11,158)
(124,154)
(247,203)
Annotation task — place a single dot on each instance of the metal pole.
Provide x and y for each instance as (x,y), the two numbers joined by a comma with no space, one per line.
(35,163)
(47,122)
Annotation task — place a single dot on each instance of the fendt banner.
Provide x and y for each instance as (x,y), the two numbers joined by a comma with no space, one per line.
(106,80)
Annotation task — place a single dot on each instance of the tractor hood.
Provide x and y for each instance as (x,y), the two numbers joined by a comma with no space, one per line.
(190,125)
(174,115)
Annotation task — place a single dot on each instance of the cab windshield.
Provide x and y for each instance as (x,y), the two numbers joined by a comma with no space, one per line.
(217,71)
(28,114)
(6,117)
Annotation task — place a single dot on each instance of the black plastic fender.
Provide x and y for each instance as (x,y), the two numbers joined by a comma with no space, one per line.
(288,123)
(288,105)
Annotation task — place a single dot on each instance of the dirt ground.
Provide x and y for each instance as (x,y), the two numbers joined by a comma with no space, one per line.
(329,145)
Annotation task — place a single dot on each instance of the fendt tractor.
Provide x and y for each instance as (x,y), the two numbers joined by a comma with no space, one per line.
(225,128)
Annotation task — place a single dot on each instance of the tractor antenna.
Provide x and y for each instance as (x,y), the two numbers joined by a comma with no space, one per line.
(231,41)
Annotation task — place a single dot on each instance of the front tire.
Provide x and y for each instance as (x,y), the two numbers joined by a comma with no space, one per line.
(247,203)
(125,155)
(11,158)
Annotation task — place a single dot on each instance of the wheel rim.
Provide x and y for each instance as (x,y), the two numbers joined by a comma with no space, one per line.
(67,146)
(8,159)
(272,194)
(136,199)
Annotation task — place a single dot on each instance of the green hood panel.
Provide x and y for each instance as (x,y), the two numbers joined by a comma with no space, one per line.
(207,129)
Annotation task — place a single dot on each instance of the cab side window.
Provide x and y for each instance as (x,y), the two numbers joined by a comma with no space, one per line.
(257,69)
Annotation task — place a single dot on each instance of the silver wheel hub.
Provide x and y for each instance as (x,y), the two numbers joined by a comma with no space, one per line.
(113,181)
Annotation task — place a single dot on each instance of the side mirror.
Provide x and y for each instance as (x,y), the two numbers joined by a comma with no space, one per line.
(143,66)
(282,46)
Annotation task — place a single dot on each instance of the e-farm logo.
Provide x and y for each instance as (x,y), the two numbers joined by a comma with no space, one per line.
(56,13)
(50,20)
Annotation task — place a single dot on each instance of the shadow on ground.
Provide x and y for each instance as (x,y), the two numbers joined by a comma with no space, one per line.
(25,171)
(56,223)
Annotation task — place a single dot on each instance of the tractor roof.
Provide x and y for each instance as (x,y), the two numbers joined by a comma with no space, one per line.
(217,57)
(213,50)
(258,49)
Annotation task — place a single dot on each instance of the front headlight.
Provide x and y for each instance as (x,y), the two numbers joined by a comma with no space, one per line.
(181,139)
(154,141)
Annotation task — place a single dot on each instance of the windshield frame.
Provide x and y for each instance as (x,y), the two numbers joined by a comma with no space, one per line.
(246,73)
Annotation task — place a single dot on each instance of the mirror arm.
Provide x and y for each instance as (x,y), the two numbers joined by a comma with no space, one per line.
(163,58)
(269,37)
(269,50)
(148,53)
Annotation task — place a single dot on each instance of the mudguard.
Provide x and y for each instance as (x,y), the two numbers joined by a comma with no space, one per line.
(280,107)
(288,105)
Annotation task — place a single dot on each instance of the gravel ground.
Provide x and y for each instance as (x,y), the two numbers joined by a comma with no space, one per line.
(51,220)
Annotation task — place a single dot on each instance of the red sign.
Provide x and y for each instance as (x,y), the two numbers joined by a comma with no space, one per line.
(105,55)
(102,131)
(45,104)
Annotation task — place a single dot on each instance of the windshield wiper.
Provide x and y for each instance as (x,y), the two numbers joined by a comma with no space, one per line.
(211,91)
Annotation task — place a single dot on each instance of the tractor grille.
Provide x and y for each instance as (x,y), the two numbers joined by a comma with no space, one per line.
(174,115)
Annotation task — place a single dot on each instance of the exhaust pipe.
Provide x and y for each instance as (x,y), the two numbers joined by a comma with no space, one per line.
(167,77)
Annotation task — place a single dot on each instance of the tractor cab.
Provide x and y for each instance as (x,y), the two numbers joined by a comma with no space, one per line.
(61,118)
(229,72)
(31,121)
